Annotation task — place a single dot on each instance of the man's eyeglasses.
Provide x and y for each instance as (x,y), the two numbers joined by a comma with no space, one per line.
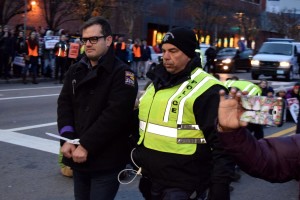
(93,40)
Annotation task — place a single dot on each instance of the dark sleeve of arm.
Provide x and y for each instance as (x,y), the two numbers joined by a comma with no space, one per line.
(115,119)
(206,111)
(271,159)
(26,48)
(65,115)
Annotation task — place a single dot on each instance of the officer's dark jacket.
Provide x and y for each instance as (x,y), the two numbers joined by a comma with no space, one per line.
(98,104)
(209,166)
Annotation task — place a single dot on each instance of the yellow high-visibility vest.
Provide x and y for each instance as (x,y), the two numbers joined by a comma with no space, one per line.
(167,120)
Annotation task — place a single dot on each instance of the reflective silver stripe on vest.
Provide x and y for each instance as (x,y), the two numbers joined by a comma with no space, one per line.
(182,102)
(167,111)
(159,130)
(253,91)
(162,130)
(172,132)
(167,131)
(191,141)
(142,125)
(188,127)
(181,88)
(230,83)
(194,75)
(246,88)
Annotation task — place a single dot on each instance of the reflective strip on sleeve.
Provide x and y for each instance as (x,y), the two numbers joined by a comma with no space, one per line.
(253,91)
(229,84)
(247,88)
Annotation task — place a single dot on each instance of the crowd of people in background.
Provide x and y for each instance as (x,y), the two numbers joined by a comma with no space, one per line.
(27,55)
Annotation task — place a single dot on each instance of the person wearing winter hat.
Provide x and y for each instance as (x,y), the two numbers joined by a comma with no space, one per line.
(178,151)
(295,93)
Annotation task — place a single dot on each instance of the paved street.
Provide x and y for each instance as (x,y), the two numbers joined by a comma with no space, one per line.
(28,157)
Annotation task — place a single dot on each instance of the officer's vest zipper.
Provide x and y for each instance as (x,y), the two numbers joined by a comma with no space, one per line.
(73,85)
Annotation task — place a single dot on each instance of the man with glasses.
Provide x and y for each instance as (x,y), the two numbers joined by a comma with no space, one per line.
(96,106)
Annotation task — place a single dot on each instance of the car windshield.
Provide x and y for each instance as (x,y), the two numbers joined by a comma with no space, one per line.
(227,52)
(276,48)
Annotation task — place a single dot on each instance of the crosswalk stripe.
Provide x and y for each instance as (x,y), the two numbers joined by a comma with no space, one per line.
(29,141)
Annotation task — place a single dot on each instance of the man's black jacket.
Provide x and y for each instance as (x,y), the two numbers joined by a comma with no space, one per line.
(97,103)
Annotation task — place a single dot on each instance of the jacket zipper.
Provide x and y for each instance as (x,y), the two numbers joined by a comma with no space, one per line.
(73,85)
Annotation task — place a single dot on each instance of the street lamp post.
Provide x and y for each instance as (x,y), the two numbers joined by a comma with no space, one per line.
(31,4)
(240,16)
(25,18)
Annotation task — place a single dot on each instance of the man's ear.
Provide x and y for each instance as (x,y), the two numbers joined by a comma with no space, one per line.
(108,40)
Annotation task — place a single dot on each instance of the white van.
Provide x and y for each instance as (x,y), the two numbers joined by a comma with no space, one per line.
(276,58)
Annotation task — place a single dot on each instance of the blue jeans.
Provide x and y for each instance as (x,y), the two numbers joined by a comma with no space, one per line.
(95,185)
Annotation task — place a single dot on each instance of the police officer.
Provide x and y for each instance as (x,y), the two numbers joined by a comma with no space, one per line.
(178,150)
(96,106)
(251,89)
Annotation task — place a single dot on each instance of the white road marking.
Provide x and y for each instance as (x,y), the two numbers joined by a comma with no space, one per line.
(7,90)
(31,127)
(33,142)
(26,97)
(10,136)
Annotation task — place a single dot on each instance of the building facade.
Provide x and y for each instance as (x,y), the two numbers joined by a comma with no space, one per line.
(153,18)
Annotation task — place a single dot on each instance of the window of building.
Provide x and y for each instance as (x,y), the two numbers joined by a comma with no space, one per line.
(252,1)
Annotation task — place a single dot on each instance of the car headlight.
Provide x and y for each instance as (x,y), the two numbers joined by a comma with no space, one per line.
(255,63)
(226,61)
(284,64)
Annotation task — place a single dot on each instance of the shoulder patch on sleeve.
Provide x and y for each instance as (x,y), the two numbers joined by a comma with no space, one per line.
(129,78)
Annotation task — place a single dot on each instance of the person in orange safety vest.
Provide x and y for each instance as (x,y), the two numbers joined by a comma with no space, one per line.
(31,57)
(61,57)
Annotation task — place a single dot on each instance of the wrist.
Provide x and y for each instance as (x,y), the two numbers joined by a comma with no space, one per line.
(223,129)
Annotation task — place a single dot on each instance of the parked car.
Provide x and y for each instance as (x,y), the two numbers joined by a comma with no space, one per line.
(156,58)
(231,59)
(276,58)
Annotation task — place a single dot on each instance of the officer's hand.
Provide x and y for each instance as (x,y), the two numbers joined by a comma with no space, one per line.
(67,149)
(80,154)
(230,111)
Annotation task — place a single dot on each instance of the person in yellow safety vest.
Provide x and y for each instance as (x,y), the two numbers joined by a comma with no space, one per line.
(253,90)
(244,86)
(178,152)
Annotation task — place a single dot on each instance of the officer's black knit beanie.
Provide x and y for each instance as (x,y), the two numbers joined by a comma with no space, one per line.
(183,38)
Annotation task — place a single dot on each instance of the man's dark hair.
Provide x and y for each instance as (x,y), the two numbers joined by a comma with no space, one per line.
(106,29)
